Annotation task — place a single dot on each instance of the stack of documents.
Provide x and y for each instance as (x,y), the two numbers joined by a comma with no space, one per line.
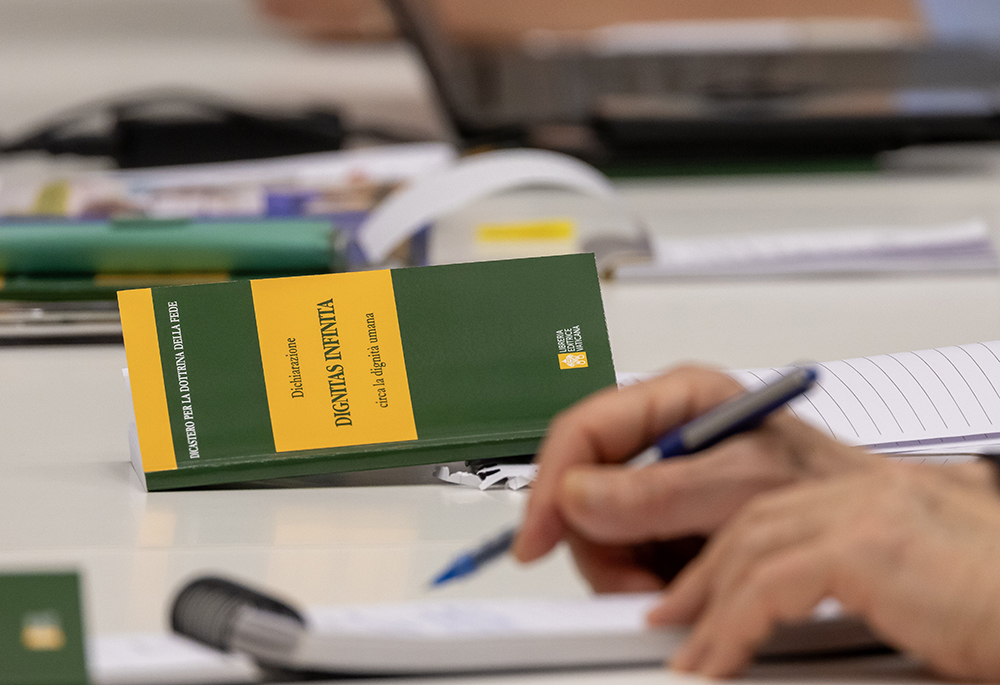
(71,238)
(316,184)
(963,246)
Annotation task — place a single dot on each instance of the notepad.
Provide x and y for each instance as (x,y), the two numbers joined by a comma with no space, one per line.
(462,636)
(965,246)
(928,402)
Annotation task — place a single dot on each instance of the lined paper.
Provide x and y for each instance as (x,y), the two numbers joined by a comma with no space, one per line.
(936,400)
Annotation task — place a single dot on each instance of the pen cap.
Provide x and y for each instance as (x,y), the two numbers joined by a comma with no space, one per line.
(746,411)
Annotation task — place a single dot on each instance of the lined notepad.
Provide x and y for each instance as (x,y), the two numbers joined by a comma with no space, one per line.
(938,401)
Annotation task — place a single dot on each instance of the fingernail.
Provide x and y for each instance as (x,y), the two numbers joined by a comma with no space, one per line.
(585,490)
(661,613)
(515,549)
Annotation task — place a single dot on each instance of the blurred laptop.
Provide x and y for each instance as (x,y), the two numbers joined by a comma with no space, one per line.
(703,80)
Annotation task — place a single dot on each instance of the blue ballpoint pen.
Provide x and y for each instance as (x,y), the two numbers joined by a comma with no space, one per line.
(740,414)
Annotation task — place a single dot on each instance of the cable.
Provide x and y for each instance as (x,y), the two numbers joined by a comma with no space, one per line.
(183,126)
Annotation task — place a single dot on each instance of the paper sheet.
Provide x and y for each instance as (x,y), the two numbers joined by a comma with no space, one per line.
(512,476)
(459,618)
(957,247)
(434,195)
(163,659)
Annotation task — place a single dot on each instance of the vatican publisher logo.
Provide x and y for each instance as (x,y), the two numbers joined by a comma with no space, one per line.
(569,344)
(42,632)
(573,360)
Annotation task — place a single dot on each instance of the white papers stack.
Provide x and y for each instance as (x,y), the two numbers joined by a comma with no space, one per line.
(964,246)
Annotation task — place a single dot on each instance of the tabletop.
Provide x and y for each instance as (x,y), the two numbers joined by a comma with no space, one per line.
(68,498)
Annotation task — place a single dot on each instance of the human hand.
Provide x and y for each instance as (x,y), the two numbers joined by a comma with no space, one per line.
(614,517)
(332,19)
(912,550)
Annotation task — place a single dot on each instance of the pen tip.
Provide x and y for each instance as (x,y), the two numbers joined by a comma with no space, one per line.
(442,579)
(462,567)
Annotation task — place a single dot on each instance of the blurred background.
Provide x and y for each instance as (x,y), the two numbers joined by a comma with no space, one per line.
(56,54)
(650,89)
(552,73)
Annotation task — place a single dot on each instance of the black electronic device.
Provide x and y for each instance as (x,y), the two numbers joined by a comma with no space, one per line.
(691,92)
(180,127)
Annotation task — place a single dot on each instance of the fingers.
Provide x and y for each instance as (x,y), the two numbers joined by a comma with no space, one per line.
(772,563)
(610,427)
(676,497)
(785,588)
(767,526)
(897,546)
(611,569)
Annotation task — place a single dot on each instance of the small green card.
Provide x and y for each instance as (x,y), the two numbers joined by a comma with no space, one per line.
(41,630)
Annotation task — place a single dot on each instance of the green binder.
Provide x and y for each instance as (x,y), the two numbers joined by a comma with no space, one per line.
(337,372)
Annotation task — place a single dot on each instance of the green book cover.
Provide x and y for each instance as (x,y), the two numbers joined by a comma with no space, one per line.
(351,371)
(41,630)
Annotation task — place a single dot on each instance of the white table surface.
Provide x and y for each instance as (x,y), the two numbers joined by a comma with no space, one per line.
(68,498)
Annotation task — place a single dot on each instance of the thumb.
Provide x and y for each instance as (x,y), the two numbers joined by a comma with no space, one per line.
(614,504)
(621,505)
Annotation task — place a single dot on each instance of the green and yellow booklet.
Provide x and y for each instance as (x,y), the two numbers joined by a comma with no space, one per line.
(351,371)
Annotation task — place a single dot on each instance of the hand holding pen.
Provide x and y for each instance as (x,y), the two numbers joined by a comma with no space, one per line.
(610,508)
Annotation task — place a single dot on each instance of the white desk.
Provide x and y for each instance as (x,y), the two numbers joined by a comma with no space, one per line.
(67,497)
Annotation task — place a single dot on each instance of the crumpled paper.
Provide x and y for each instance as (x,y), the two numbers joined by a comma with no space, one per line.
(512,476)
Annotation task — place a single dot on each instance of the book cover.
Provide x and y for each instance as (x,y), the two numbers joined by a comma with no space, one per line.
(337,372)
(41,629)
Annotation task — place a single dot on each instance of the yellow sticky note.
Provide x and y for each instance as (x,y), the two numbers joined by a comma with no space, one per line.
(527,231)
(53,199)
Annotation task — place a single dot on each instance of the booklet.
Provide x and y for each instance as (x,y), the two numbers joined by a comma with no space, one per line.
(337,372)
